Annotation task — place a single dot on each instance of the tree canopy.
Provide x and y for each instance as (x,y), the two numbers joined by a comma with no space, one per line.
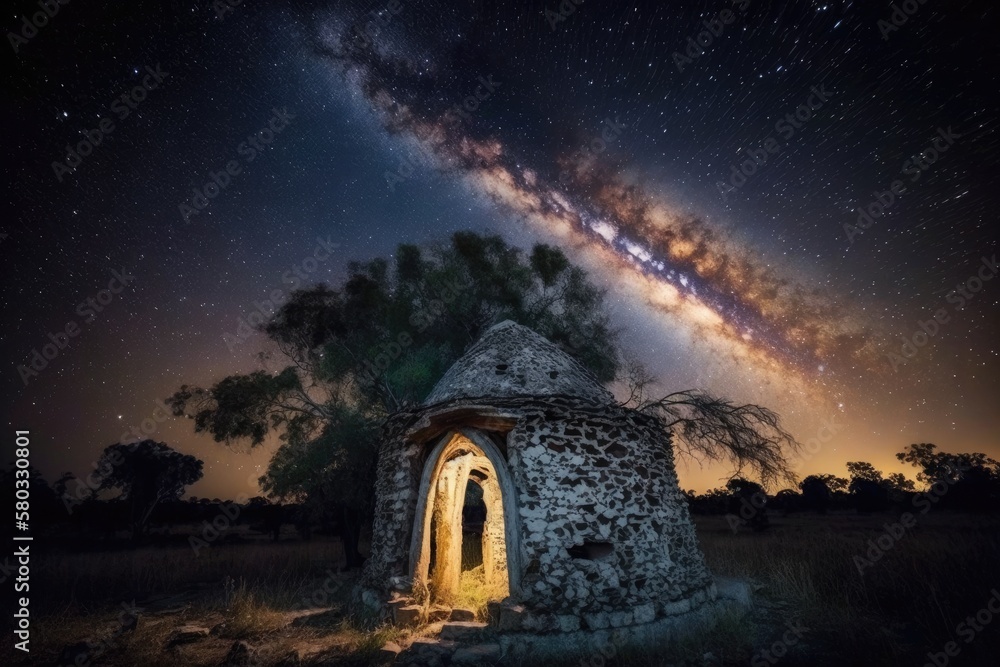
(935,465)
(971,480)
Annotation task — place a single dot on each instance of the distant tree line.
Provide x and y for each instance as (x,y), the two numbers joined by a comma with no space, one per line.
(136,490)
(960,482)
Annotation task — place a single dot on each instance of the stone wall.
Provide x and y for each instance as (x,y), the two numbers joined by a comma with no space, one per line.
(605,535)
(396,486)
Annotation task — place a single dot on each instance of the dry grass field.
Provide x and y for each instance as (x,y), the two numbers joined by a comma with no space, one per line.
(287,602)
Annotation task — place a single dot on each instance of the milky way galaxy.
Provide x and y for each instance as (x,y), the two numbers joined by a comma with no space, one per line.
(616,131)
(731,300)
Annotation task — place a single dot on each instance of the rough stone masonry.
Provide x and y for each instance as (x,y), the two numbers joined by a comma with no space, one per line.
(598,536)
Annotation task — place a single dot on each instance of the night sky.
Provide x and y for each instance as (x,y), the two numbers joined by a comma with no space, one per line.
(348,128)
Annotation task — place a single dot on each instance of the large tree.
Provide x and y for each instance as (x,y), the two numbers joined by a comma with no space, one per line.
(380,341)
(816,493)
(944,466)
(971,481)
(146,474)
(868,490)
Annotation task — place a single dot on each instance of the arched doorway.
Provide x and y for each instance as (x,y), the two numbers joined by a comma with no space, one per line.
(465,465)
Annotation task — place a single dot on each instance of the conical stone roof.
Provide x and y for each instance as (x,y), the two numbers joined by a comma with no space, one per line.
(511,360)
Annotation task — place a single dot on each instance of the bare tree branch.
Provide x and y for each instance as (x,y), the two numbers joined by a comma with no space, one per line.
(750,437)
(637,380)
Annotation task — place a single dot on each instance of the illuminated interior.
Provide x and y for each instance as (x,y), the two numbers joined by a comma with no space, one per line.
(461,471)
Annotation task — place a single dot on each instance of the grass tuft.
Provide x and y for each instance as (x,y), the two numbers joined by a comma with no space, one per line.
(474,593)
(246,615)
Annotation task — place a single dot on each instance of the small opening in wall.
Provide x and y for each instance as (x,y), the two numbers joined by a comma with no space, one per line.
(553,374)
(501,369)
(591,550)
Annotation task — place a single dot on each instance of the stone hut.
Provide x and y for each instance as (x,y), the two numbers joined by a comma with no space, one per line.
(585,528)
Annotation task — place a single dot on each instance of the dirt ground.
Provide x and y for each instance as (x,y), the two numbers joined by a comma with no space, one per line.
(286,603)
